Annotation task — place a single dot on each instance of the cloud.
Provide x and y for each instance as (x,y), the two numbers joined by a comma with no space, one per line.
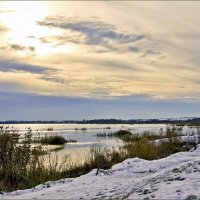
(111,55)
(19,47)
(31,48)
(6,11)
(153,53)
(57,78)
(3,28)
(100,93)
(95,32)
(8,66)
(137,97)
(44,40)
(133,49)
(116,65)
(30,106)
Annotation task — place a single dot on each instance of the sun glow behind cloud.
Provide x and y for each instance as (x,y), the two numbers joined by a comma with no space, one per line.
(21,19)
(23,29)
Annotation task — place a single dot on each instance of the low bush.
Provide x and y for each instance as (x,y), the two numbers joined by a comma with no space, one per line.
(50,129)
(52,140)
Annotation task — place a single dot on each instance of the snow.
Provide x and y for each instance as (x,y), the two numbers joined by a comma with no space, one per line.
(174,177)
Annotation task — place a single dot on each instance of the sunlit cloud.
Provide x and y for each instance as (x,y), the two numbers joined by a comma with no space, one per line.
(3,28)
(6,11)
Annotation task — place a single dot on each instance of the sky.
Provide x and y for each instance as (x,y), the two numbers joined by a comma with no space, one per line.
(63,60)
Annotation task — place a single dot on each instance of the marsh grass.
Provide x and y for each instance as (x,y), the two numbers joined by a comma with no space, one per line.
(149,145)
(118,134)
(152,146)
(98,158)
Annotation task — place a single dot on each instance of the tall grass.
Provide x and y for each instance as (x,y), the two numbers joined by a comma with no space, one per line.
(21,163)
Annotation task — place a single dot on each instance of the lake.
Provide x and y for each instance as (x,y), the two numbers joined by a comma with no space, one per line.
(85,134)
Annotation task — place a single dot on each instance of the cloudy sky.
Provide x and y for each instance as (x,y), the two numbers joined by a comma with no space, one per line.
(99,59)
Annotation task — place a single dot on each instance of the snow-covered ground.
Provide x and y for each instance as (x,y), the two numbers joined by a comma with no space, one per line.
(174,177)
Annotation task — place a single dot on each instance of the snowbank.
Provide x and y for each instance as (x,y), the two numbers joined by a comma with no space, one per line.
(174,177)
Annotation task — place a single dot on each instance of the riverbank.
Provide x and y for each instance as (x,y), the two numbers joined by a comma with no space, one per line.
(174,177)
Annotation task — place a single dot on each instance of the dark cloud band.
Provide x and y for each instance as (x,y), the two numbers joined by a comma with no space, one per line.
(95,32)
(7,66)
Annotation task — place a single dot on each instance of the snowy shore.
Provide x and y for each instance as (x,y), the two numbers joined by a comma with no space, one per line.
(173,177)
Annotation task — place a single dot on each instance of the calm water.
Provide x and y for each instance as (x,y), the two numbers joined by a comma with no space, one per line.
(85,138)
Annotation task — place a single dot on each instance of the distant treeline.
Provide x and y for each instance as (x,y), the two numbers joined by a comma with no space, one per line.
(181,121)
